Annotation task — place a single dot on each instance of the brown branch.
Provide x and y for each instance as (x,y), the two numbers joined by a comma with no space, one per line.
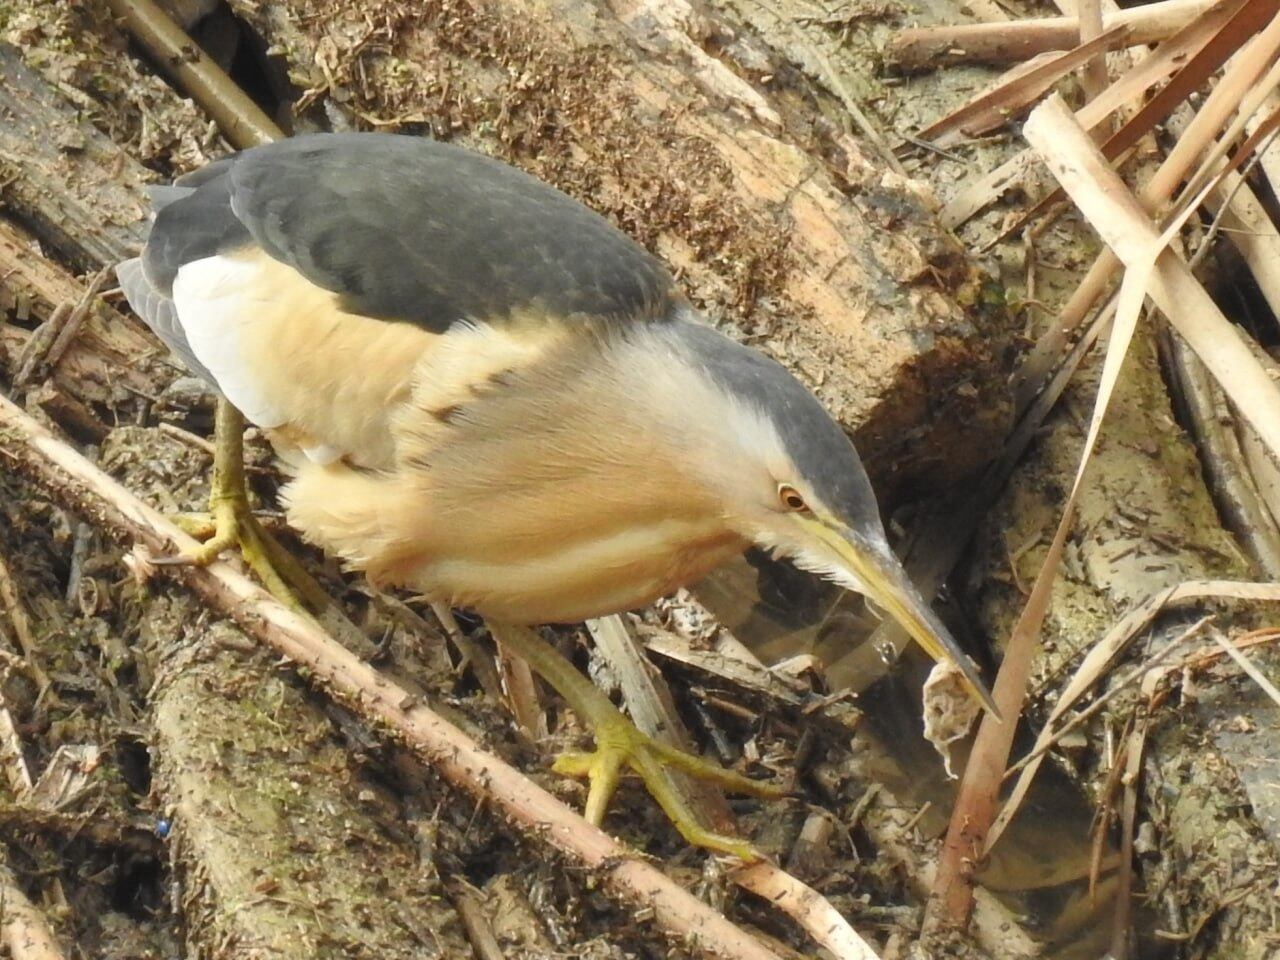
(1017,90)
(74,826)
(1229,37)
(1221,28)
(78,485)
(241,121)
(931,47)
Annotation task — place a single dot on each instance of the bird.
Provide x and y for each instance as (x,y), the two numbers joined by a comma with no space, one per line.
(484,391)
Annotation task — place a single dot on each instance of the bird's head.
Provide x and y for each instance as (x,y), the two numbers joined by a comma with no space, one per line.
(788,479)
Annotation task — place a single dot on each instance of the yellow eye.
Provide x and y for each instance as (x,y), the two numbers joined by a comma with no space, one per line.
(792,499)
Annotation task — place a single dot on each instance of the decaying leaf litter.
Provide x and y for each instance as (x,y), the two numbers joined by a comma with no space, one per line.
(1113,565)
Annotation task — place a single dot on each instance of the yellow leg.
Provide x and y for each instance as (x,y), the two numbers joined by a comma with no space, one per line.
(619,744)
(231,523)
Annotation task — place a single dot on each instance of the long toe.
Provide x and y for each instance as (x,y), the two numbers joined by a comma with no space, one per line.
(619,745)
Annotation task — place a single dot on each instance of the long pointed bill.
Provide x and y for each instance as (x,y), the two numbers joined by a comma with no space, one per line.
(887,584)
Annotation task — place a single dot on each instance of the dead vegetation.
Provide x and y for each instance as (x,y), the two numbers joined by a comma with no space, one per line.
(172,787)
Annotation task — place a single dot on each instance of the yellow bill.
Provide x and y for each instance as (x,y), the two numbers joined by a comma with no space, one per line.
(885,581)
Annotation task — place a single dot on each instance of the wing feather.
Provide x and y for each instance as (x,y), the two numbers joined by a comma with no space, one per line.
(404,228)
(272,274)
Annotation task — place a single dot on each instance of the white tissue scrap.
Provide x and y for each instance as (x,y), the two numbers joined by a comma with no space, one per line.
(949,710)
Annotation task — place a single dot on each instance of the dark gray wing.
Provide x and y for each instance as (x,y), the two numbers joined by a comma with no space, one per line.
(191,227)
(404,228)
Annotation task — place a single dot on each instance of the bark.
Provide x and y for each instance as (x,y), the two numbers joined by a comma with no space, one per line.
(64,188)
(286,849)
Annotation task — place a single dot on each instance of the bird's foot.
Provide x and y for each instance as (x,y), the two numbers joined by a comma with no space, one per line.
(230,525)
(619,745)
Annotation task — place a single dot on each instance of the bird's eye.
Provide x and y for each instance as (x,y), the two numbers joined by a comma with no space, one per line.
(791,499)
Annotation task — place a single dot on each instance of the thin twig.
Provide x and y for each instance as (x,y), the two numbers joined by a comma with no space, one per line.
(11,605)
(1248,666)
(1015,91)
(1048,741)
(466,900)
(187,437)
(75,320)
(37,346)
(207,446)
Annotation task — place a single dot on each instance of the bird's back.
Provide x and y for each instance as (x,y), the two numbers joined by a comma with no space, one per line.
(307,278)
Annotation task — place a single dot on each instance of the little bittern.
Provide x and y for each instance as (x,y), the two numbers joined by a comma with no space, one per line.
(486,392)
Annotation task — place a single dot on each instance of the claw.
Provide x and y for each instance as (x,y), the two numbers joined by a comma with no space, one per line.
(619,745)
(230,523)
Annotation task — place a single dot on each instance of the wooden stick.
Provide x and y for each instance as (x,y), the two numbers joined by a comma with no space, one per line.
(1244,70)
(241,121)
(28,448)
(24,932)
(1017,90)
(1094,79)
(1219,25)
(930,47)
